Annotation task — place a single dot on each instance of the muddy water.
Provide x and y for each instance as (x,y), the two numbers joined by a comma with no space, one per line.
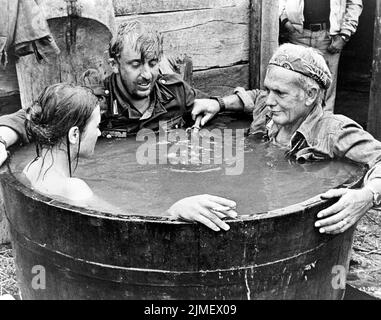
(256,175)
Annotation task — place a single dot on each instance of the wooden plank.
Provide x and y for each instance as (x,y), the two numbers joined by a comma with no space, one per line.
(269,34)
(89,50)
(99,10)
(374,117)
(255,25)
(123,7)
(8,79)
(222,81)
(212,38)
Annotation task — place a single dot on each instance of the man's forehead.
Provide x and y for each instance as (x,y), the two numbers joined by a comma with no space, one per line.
(130,52)
(280,78)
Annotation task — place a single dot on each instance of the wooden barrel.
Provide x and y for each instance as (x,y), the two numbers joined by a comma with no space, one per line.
(93,255)
(82,30)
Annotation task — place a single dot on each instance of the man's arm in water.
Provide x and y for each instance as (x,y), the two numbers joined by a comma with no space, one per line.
(200,208)
(247,101)
(12,130)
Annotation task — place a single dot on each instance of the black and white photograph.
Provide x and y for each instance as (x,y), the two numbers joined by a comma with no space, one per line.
(190,154)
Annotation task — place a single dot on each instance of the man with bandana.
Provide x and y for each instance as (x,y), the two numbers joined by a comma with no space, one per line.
(326,25)
(289,113)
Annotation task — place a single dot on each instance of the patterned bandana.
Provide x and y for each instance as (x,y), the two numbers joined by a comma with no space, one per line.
(285,57)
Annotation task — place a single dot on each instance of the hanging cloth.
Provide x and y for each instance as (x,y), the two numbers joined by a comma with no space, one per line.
(24,30)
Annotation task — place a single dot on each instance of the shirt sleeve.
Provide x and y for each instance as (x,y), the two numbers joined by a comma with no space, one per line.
(254,104)
(282,10)
(16,122)
(191,94)
(354,143)
(352,14)
(253,101)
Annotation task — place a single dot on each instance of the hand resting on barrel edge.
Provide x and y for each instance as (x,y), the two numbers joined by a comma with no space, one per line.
(206,209)
(8,137)
(3,154)
(351,207)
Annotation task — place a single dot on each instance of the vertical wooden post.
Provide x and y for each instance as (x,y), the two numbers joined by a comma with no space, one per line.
(263,33)
(374,116)
(255,25)
(269,34)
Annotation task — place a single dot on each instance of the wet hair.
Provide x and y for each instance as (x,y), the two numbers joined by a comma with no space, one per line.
(58,108)
(143,39)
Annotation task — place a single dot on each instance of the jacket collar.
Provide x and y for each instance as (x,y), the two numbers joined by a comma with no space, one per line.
(305,129)
(160,96)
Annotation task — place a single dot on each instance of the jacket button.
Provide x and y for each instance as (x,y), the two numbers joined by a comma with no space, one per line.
(107,92)
(163,81)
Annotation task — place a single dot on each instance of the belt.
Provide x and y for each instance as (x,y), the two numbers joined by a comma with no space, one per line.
(316,26)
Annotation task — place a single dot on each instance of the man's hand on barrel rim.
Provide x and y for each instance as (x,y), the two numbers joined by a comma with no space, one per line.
(3,154)
(351,207)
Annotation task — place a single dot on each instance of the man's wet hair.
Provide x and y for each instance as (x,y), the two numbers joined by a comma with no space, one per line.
(141,38)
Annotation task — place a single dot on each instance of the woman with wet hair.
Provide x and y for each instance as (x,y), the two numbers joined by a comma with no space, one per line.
(63,122)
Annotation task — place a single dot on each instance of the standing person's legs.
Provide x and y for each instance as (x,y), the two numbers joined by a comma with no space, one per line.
(333,64)
(321,40)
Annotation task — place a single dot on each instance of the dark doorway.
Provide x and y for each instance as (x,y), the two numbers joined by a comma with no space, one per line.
(355,69)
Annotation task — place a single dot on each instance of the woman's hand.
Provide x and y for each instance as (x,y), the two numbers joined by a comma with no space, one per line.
(205,209)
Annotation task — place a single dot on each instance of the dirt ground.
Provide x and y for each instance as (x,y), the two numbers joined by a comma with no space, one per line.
(8,284)
(365,266)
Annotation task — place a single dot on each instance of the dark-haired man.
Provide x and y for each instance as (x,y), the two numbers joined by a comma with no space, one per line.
(137,95)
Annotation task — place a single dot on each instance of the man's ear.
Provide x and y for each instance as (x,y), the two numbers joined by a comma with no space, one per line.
(311,96)
(114,64)
(73,135)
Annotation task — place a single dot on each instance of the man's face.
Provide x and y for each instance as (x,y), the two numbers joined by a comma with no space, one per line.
(286,99)
(138,75)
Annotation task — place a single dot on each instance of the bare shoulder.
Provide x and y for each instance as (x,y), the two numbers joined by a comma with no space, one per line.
(78,189)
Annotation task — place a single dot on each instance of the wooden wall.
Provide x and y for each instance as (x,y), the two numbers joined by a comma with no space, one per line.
(374,116)
(214,33)
(221,36)
(8,79)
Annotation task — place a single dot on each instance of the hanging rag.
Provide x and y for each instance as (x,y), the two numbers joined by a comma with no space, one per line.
(24,30)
